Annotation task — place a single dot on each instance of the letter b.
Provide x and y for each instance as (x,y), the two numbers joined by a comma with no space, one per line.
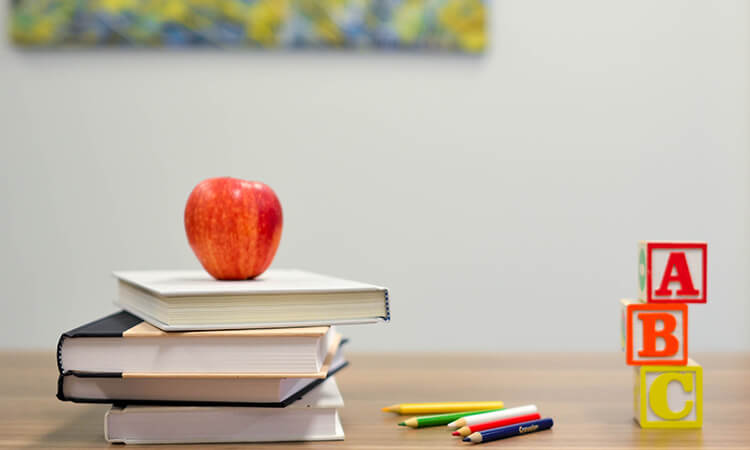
(656,334)
(651,334)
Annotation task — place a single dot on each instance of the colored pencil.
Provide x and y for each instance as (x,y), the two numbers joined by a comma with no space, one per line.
(439,419)
(465,431)
(439,408)
(494,415)
(509,431)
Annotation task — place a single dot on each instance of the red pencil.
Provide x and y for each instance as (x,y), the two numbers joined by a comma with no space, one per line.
(467,430)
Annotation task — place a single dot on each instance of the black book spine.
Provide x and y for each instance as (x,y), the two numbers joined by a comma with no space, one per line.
(387,307)
(59,354)
(71,373)
(112,325)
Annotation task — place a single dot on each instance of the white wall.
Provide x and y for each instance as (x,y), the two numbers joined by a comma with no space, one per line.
(500,198)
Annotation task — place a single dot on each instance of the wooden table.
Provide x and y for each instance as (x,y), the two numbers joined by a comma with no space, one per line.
(588,395)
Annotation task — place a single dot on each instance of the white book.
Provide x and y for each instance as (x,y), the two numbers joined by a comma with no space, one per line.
(312,418)
(193,300)
(189,391)
(123,344)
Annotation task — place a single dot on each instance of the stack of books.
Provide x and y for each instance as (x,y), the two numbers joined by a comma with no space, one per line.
(195,360)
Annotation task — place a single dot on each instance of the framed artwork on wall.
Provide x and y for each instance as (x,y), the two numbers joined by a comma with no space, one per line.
(425,25)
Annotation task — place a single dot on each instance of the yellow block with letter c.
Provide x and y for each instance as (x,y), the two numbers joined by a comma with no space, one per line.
(669,396)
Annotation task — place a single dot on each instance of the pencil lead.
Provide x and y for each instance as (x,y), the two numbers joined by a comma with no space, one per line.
(455,433)
(402,424)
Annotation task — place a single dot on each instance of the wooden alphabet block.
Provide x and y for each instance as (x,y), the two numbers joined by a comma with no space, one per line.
(624,321)
(656,334)
(672,272)
(669,396)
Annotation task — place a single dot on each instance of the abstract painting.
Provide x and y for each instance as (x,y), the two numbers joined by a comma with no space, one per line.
(442,25)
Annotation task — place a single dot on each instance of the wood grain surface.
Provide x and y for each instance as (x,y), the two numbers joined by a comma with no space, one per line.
(588,395)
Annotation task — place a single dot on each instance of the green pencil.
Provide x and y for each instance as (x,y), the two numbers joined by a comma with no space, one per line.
(439,419)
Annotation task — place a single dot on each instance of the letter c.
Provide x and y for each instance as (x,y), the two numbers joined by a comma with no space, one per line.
(657,395)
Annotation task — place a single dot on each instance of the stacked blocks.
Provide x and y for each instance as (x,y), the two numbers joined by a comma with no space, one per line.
(668,385)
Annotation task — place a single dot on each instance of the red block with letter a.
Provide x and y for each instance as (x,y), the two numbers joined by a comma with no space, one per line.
(672,272)
(657,334)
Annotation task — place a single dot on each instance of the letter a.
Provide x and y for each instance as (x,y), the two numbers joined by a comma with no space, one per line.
(677,263)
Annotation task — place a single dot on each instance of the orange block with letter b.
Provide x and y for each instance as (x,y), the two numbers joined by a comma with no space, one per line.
(656,334)
(669,396)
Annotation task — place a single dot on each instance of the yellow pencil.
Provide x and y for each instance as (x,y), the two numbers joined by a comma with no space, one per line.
(438,408)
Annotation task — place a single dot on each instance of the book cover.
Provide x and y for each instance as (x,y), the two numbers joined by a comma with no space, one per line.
(122,338)
(193,300)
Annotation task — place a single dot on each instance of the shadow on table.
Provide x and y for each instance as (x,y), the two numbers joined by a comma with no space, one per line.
(667,438)
(84,430)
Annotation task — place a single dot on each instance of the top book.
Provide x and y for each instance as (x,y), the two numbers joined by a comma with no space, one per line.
(192,300)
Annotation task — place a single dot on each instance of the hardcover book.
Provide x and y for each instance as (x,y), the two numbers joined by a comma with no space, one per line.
(192,300)
(312,418)
(83,387)
(124,344)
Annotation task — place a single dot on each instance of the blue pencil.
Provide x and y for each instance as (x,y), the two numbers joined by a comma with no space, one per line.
(509,431)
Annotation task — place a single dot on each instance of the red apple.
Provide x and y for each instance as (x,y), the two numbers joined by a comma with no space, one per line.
(233,226)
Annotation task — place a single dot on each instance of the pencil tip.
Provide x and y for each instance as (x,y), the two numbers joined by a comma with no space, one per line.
(455,433)
(466,439)
(402,424)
